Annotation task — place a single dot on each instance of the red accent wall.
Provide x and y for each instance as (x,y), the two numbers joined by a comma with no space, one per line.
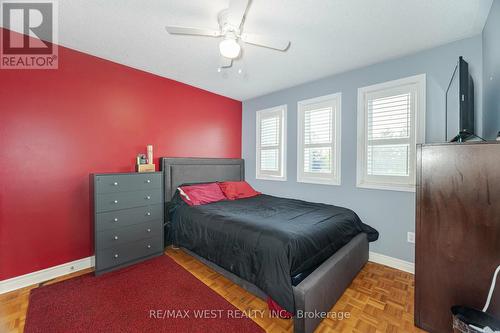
(90,115)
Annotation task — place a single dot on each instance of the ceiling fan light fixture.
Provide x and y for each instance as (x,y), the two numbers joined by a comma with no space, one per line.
(229,48)
(231,22)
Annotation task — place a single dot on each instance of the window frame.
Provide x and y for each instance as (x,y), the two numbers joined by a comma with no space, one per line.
(279,175)
(334,101)
(394,183)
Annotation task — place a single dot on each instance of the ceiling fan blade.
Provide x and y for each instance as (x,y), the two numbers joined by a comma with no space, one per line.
(225,62)
(264,41)
(176,30)
(237,9)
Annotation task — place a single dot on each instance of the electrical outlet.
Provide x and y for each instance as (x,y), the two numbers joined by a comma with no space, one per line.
(411,237)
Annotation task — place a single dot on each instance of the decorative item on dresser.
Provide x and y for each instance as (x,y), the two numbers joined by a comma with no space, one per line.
(457,230)
(145,164)
(128,218)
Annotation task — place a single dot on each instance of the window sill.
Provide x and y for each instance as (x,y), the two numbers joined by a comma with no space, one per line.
(319,181)
(387,187)
(262,177)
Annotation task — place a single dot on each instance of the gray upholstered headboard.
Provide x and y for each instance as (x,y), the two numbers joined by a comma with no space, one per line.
(178,171)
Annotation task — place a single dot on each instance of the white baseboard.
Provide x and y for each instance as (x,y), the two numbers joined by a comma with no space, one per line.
(45,274)
(78,265)
(392,262)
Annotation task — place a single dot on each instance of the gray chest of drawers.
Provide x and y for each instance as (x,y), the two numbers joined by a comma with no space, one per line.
(128,218)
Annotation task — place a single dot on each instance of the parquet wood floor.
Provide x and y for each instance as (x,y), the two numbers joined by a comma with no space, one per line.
(380,299)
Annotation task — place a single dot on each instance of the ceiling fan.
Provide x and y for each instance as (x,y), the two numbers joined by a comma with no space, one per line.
(231,21)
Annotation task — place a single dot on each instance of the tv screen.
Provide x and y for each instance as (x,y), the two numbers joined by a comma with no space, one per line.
(460,104)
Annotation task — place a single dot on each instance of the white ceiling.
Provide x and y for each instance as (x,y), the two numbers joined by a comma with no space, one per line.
(328,36)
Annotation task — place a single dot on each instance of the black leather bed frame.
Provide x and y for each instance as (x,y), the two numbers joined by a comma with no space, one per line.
(320,290)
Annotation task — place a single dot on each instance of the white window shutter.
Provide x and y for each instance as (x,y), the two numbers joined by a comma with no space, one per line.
(390,124)
(389,134)
(269,143)
(271,138)
(319,140)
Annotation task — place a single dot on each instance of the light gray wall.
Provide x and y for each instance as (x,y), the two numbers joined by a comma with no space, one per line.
(392,213)
(491,72)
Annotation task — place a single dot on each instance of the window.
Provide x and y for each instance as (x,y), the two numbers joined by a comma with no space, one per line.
(390,124)
(271,140)
(318,155)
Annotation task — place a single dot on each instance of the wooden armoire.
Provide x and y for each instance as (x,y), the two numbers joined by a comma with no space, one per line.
(457,230)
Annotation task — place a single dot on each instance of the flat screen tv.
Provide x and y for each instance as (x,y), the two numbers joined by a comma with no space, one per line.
(460,104)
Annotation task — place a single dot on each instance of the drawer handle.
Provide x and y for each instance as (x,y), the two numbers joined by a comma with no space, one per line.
(116,255)
(149,246)
(116,237)
(115,184)
(115,201)
(148,181)
(148,197)
(148,230)
(115,219)
(148,214)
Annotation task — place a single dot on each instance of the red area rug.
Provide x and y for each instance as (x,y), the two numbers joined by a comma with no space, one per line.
(155,296)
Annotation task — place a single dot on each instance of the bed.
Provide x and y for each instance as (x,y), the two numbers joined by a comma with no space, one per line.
(303,255)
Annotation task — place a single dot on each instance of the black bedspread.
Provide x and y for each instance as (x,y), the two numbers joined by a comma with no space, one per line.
(265,240)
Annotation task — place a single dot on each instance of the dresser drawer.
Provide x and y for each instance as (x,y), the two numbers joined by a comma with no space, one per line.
(121,254)
(122,218)
(127,182)
(110,238)
(121,200)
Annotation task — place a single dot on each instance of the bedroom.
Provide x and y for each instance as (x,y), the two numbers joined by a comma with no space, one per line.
(254,166)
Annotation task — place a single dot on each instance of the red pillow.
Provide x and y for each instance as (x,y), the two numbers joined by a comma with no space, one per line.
(201,194)
(237,190)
